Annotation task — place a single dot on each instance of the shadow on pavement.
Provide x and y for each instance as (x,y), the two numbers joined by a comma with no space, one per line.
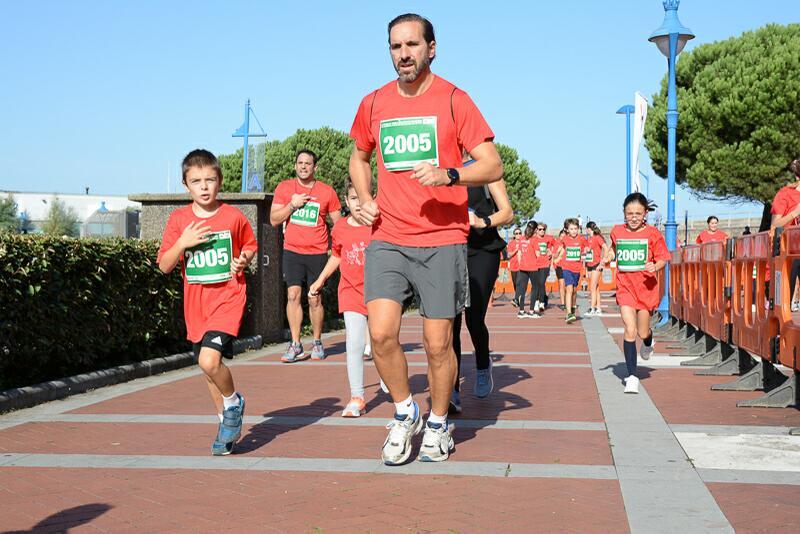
(67,519)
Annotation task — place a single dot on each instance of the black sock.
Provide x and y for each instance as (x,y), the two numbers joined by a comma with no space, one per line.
(629,348)
(648,340)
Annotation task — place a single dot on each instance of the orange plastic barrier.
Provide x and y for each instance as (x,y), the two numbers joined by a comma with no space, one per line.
(676,285)
(692,307)
(788,327)
(714,300)
(753,322)
(504,284)
(610,285)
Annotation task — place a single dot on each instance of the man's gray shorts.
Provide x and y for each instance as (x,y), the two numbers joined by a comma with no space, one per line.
(438,275)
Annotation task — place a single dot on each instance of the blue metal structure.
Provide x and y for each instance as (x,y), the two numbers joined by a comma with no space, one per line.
(627,111)
(670,38)
(248,184)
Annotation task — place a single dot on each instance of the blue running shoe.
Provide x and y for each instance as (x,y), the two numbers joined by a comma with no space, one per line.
(230,429)
(484,384)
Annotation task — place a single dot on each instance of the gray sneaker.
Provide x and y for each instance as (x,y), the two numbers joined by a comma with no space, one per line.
(294,353)
(317,352)
(484,384)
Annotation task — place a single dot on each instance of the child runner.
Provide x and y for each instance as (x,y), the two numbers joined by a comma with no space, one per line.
(641,251)
(214,243)
(350,238)
(713,233)
(572,247)
(527,271)
(559,271)
(513,262)
(598,250)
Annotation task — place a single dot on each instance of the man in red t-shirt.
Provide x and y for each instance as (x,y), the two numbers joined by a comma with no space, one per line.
(301,205)
(418,124)
(713,234)
(786,212)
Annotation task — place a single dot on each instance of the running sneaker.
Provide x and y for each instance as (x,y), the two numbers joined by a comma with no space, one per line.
(397,447)
(514,303)
(355,407)
(294,353)
(437,442)
(484,383)
(795,306)
(645,352)
(571,318)
(317,352)
(455,403)
(521,314)
(533,315)
(230,429)
(631,384)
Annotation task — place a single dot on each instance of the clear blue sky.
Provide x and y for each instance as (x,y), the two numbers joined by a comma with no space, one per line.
(110,94)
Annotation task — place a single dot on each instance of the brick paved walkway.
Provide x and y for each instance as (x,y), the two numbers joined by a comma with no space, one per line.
(556,447)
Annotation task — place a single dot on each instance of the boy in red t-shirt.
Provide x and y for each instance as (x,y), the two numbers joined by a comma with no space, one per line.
(350,239)
(214,243)
(569,256)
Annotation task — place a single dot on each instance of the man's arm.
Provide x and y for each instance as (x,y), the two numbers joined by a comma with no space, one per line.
(486,169)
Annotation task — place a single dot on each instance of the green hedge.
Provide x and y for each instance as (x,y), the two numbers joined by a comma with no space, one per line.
(69,306)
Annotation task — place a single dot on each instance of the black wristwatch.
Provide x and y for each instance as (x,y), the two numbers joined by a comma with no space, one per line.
(453,175)
(487,221)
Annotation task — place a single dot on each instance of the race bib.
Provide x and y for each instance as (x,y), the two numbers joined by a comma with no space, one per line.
(573,253)
(210,262)
(307,215)
(543,248)
(408,142)
(590,256)
(631,255)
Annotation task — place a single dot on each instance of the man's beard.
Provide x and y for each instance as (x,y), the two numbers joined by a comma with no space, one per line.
(412,76)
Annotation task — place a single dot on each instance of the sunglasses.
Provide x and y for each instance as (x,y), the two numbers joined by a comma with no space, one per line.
(542,229)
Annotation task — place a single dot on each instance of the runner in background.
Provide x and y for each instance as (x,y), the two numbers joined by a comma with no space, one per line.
(527,270)
(350,239)
(713,233)
(562,291)
(544,257)
(572,248)
(641,251)
(598,250)
(786,212)
(513,262)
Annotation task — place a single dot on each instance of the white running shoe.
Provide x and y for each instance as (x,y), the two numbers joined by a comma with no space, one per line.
(632,384)
(795,306)
(437,443)
(645,352)
(397,447)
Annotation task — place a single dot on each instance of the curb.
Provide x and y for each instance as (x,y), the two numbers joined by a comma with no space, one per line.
(25,397)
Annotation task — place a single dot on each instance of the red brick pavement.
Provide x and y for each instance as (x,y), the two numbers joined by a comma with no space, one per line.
(759,507)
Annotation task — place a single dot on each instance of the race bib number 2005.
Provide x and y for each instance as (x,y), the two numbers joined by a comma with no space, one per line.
(210,262)
(631,255)
(409,141)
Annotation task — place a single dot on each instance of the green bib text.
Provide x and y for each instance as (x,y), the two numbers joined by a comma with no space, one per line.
(631,255)
(210,262)
(573,253)
(589,256)
(408,142)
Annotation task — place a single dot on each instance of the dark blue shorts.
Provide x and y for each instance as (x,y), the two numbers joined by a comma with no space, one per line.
(571,278)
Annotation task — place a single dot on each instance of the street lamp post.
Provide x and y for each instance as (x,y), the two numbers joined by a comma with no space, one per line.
(627,111)
(670,38)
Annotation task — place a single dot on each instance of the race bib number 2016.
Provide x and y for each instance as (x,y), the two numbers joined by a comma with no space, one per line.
(307,215)
(408,142)
(631,254)
(210,262)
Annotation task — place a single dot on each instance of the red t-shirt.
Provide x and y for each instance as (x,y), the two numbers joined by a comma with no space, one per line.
(707,237)
(527,256)
(542,246)
(213,306)
(595,252)
(786,199)
(639,289)
(349,243)
(305,229)
(513,263)
(573,249)
(436,125)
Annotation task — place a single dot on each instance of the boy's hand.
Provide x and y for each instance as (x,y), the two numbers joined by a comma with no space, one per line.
(315,288)
(238,264)
(299,200)
(194,234)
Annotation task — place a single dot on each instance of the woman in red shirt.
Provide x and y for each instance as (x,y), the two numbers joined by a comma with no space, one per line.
(786,212)
(544,256)
(513,262)
(641,251)
(713,233)
(527,270)
(594,266)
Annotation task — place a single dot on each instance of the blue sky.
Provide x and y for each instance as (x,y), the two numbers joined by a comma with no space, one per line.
(111,95)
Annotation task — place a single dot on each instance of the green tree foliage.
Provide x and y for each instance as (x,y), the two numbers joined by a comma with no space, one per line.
(61,220)
(8,214)
(738,101)
(334,147)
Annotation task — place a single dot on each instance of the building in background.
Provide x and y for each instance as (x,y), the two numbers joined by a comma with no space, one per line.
(98,215)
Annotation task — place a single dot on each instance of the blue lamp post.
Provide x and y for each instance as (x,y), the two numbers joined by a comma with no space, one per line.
(244,131)
(670,38)
(627,111)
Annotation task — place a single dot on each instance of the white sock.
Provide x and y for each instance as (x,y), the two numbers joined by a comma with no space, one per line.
(220,417)
(405,408)
(230,402)
(368,350)
(440,419)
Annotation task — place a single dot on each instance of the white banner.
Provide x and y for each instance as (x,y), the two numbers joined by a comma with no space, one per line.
(639,117)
